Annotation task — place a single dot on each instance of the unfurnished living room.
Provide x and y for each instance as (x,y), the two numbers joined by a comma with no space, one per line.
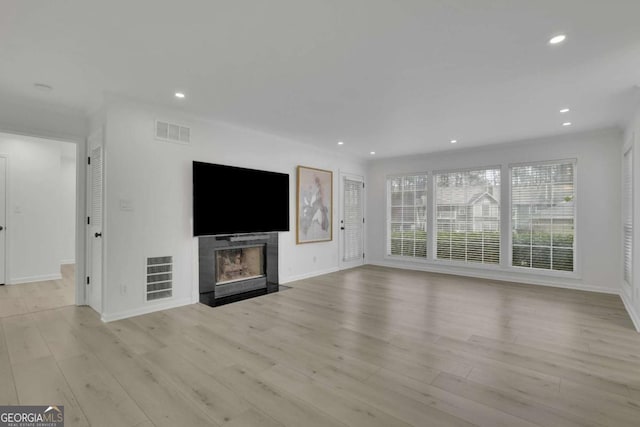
(319,213)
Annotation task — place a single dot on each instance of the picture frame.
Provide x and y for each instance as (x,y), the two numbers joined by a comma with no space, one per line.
(314,205)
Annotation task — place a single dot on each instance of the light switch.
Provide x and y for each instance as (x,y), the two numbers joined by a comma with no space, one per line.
(126,205)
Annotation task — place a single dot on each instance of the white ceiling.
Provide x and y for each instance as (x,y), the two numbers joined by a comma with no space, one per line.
(396,77)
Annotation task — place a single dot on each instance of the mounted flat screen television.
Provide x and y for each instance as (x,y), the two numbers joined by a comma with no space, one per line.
(232,200)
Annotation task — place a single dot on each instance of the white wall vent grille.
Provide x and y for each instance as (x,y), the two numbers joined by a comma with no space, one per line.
(172,132)
(159,277)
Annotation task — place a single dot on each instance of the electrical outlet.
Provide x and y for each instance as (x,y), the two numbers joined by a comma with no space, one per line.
(315,258)
(123,289)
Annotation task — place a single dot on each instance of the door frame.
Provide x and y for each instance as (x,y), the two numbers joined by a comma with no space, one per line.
(7,254)
(81,151)
(81,212)
(350,264)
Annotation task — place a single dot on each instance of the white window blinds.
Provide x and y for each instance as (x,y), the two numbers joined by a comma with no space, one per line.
(353,220)
(468,216)
(407,219)
(543,215)
(627,212)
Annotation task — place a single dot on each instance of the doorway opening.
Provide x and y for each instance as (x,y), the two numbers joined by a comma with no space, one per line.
(38,220)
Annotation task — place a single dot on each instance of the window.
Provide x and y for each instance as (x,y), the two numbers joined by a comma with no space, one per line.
(407,219)
(468,222)
(627,212)
(543,215)
(486,209)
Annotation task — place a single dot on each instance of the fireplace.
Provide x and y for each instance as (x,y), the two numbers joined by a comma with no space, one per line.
(237,264)
(237,267)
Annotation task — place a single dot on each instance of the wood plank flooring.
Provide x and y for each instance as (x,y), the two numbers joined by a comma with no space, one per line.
(38,296)
(370,346)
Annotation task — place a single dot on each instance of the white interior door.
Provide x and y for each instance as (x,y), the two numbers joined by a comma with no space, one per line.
(3,218)
(95,172)
(351,221)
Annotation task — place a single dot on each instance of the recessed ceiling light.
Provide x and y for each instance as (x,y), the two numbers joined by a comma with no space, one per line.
(454,141)
(566,124)
(179,95)
(340,143)
(43,87)
(557,39)
(373,153)
(565,110)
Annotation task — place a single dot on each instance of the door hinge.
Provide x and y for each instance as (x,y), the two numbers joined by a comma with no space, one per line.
(363,220)
(363,185)
(362,255)
(88,220)
(88,160)
(88,280)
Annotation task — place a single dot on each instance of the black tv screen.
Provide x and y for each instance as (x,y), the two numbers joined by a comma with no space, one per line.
(232,200)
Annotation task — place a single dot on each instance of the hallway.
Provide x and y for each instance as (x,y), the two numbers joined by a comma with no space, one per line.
(38,296)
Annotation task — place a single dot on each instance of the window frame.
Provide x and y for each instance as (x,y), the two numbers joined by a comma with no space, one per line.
(506,241)
(434,223)
(630,152)
(576,259)
(387,231)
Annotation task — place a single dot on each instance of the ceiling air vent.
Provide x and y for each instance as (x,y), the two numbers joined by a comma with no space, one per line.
(159,277)
(172,132)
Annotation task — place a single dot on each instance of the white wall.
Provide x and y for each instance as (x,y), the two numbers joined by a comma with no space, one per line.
(34,117)
(34,210)
(631,297)
(67,203)
(598,204)
(155,178)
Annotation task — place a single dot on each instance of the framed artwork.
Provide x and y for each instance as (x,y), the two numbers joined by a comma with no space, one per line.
(314,211)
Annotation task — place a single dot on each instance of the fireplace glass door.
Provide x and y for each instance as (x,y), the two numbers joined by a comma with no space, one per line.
(237,264)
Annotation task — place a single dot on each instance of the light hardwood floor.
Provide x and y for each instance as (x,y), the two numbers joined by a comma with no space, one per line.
(39,296)
(365,347)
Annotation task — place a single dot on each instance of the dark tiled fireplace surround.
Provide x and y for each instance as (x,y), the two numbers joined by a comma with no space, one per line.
(214,294)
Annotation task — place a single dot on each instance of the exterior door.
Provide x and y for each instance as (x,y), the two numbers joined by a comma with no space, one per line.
(351,221)
(95,172)
(3,219)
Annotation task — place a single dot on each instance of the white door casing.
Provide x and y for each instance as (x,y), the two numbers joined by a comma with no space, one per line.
(3,220)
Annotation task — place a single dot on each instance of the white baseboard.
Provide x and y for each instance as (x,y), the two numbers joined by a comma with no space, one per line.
(146,309)
(632,312)
(308,275)
(554,282)
(31,279)
(67,261)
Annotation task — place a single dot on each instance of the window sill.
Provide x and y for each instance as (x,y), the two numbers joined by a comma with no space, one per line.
(469,266)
